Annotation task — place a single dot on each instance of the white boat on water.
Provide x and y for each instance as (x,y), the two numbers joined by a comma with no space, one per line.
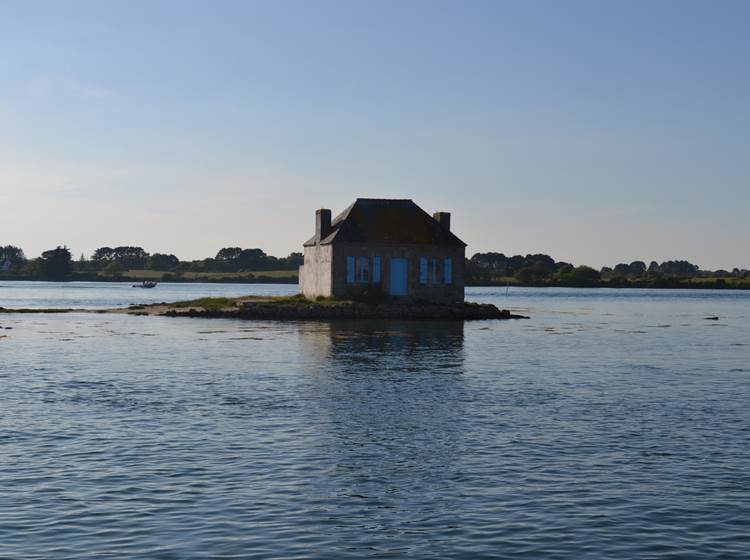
(145,284)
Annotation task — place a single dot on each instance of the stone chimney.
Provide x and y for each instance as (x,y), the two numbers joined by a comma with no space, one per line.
(443,218)
(322,224)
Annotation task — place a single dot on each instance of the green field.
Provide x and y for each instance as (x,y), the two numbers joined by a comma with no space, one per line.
(142,274)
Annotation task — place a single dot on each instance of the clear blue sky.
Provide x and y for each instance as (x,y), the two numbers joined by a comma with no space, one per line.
(597,131)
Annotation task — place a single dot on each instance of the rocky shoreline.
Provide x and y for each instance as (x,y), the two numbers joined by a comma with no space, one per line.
(298,308)
(349,310)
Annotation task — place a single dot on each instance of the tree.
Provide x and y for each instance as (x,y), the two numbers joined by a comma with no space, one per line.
(55,263)
(516,262)
(103,254)
(130,257)
(622,269)
(679,268)
(583,276)
(236,258)
(525,275)
(14,255)
(205,265)
(563,268)
(489,260)
(637,268)
(161,261)
(293,261)
(543,265)
(229,254)
(253,259)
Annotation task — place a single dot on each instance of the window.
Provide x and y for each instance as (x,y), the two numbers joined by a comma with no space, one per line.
(448,271)
(362,274)
(429,271)
(434,271)
(362,270)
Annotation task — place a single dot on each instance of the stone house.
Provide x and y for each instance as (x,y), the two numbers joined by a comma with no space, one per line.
(384,247)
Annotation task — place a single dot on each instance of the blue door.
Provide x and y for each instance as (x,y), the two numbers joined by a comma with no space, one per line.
(399,273)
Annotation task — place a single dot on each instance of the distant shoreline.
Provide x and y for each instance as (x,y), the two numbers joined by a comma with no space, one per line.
(667,284)
(175,279)
(663,284)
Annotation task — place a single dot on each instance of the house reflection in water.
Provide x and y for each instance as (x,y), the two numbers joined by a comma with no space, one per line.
(386,347)
(389,400)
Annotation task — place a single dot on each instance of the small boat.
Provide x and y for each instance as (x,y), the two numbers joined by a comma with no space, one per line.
(145,284)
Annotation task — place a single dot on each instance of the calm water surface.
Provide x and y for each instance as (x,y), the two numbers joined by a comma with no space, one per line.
(613,424)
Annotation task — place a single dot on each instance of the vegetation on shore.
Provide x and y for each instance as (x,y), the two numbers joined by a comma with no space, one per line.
(134,264)
(237,265)
(496,269)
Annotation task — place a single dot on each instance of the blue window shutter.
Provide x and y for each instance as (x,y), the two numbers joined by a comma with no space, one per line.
(448,271)
(376,269)
(423,270)
(350,270)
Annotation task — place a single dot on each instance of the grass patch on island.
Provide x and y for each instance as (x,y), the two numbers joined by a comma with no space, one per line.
(296,299)
(216,303)
(228,304)
(208,303)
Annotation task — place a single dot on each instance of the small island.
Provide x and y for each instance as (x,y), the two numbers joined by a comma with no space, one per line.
(299,308)
(378,259)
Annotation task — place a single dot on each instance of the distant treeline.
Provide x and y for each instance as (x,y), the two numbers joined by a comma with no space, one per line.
(543,270)
(119,262)
(235,264)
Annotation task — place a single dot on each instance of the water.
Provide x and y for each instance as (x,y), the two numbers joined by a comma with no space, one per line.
(613,424)
(102,295)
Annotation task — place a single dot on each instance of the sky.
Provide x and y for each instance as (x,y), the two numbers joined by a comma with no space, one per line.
(594,131)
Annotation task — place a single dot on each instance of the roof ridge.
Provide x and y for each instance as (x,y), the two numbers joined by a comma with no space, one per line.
(387,220)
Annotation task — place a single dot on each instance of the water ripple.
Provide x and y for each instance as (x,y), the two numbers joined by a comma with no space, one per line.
(225,439)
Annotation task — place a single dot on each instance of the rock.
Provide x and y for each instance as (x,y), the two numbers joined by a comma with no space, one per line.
(303,310)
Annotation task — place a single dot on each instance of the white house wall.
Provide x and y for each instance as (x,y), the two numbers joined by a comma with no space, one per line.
(315,278)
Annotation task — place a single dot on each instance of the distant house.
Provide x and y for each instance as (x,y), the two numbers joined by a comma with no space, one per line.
(5,265)
(384,246)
